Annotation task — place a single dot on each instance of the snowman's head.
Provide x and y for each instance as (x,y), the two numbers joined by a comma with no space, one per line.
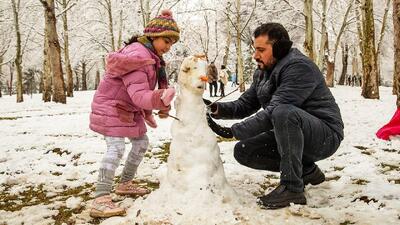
(192,74)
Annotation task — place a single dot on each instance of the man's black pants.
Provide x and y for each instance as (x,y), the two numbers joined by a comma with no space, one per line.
(215,85)
(297,141)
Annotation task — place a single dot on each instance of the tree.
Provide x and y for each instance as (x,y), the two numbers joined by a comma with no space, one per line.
(67,63)
(18,54)
(46,71)
(396,25)
(330,75)
(97,80)
(309,37)
(324,38)
(370,88)
(107,6)
(345,57)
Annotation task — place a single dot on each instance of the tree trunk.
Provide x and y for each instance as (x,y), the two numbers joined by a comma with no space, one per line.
(110,24)
(309,37)
(77,80)
(228,38)
(329,73)
(396,25)
(10,84)
(97,80)
(324,37)
(68,69)
(121,14)
(345,57)
(355,69)
(370,87)
(46,74)
(1,74)
(145,9)
(18,54)
(380,41)
(54,52)
(239,49)
(84,85)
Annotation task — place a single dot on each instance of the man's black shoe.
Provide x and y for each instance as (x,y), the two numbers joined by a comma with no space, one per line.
(281,197)
(315,177)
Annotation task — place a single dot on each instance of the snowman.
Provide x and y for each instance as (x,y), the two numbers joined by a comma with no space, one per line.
(194,189)
(194,163)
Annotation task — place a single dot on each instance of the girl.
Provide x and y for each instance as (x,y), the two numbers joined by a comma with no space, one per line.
(123,103)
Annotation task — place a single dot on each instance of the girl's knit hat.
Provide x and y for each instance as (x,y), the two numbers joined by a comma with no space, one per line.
(162,26)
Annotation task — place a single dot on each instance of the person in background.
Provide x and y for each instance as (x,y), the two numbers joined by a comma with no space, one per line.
(123,104)
(223,80)
(212,75)
(233,80)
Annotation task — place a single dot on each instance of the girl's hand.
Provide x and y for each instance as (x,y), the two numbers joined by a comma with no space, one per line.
(167,96)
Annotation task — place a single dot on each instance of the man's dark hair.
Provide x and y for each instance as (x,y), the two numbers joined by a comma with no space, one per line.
(278,35)
(274,31)
(223,67)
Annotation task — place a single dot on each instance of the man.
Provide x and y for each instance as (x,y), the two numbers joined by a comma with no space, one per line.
(299,124)
(212,75)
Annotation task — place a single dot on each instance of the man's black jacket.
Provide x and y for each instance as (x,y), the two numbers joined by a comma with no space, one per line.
(294,80)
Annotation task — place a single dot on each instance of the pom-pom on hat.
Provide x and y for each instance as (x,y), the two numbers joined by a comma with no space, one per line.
(162,26)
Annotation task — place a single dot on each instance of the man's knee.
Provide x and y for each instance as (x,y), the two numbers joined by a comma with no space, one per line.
(239,154)
(284,113)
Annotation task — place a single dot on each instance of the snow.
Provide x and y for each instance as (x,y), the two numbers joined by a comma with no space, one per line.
(48,147)
(73,202)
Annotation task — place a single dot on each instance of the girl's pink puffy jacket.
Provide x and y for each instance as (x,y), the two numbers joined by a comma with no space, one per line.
(126,93)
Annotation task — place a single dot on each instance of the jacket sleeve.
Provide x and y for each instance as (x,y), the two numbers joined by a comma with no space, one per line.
(246,105)
(296,85)
(138,88)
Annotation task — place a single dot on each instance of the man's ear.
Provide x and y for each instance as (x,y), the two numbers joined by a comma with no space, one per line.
(281,48)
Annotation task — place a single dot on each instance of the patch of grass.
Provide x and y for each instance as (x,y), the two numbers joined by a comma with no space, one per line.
(346,222)
(390,167)
(64,215)
(360,147)
(56,174)
(10,118)
(389,150)
(58,151)
(36,195)
(332,178)
(222,139)
(151,185)
(266,184)
(360,181)
(365,199)
(29,197)
(161,155)
(338,168)
(396,181)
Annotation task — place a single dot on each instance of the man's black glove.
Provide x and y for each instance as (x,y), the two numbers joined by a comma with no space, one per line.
(225,132)
(211,107)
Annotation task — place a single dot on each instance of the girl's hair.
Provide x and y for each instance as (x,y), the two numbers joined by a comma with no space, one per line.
(133,39)
(223,67)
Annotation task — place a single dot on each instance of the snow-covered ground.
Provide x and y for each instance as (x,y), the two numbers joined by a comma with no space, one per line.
(49,160)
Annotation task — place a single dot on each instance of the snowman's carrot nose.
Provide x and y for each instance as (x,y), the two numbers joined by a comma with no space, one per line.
(204,78)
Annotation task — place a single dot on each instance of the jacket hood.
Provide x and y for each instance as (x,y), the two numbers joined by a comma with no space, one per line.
(128,60)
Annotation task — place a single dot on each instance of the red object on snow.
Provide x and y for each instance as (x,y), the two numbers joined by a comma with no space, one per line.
(392,128)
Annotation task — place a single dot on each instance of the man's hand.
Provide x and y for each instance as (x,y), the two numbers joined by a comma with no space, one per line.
(225,132)
(211,107)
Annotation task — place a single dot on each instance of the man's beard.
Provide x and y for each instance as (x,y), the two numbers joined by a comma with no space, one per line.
(267,66)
